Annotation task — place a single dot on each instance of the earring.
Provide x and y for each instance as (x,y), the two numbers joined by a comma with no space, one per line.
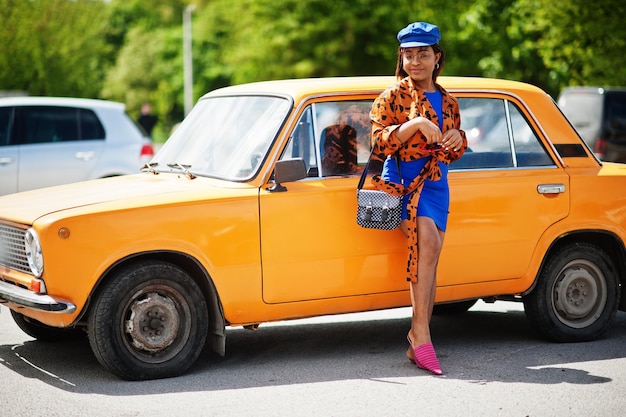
(436,66)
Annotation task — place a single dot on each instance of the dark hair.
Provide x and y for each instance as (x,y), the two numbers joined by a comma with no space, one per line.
(400,73)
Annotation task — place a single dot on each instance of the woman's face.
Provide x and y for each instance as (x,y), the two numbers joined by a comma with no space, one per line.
(419,63)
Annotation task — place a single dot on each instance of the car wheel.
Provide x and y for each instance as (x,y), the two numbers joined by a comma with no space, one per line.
(453,308)
(45,333)
(149,321)
(576,295)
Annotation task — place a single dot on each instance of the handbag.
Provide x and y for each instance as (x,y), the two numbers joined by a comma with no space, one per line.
(377,209)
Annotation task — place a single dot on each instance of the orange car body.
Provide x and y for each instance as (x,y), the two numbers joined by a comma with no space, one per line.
(263,255)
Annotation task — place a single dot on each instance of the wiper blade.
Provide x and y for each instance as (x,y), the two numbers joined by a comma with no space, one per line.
(183,168)
(150,168)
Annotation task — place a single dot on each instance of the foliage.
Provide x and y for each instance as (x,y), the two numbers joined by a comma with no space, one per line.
(147,71)
(148,67)
(305,42)
(492,38)
(131,50)
(52,47)
(579,42)
(575,43)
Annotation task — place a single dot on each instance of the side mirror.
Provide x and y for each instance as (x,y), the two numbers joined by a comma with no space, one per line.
(288,170)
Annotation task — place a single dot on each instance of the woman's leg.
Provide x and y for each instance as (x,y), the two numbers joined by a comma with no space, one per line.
(430,241)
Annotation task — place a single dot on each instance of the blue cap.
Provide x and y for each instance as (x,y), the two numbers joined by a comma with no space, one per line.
(418,34)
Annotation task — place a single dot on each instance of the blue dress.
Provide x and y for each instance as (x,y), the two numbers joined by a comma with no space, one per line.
(434,201)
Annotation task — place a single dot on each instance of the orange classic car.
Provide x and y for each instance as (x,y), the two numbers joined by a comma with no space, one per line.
(247,215)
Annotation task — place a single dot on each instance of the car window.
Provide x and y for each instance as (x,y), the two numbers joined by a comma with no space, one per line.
(351,119)
(302,143)
(333,138)
(224,136)
(90,126)
(616,115)
(6,116)
(498,136)
(47,124)
(529,150)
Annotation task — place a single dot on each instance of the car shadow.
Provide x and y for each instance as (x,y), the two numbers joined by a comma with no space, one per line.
(478,347)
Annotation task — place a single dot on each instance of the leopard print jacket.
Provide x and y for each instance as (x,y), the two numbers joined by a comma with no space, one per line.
(399,104)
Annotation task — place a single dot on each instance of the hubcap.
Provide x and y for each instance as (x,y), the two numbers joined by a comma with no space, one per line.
(153,323)
(579,294)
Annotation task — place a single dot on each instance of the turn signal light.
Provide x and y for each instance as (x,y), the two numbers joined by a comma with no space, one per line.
(38,286)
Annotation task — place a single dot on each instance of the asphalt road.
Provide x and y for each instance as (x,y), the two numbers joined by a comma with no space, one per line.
(348,365)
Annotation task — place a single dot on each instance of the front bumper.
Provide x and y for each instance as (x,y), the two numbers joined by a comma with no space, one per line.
(25,298)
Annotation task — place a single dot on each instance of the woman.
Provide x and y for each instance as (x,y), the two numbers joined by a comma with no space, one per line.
(418,122)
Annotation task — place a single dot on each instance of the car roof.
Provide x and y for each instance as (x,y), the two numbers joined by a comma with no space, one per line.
(311,86)
(60,101)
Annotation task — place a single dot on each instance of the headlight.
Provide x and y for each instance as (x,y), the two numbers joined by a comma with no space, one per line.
(33,252)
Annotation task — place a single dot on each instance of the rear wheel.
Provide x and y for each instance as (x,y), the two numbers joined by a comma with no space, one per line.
(576,295)
(150,321)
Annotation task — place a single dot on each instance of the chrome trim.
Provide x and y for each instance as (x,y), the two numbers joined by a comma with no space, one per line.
(551,188)
(25,298)
(12,248)
(32,248)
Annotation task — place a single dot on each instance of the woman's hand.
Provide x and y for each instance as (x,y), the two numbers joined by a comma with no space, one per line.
(430,130)
(452,139)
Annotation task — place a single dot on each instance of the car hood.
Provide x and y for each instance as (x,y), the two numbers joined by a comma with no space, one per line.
(118,192)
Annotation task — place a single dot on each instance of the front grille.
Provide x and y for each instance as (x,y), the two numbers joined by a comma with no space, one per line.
(12,249)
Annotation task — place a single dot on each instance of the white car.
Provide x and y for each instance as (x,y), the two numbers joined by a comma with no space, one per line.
(46,141)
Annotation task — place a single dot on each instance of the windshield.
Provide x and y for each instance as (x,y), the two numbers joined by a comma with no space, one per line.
(224,137)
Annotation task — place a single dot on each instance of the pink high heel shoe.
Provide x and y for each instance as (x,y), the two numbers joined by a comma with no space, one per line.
(424,357)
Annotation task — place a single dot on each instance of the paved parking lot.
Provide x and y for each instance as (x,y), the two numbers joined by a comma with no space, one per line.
(348,365)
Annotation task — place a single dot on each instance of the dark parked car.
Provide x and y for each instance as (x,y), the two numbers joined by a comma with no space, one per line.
(599,116)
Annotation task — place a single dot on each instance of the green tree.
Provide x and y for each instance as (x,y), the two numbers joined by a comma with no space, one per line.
(52,47)
(145,37)
(269,39)
(579,42)
(131,50)
(493,43)
(539,42)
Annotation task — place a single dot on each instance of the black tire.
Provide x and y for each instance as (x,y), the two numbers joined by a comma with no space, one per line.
(149,321)
(576,295)
(450,309)
(45,333)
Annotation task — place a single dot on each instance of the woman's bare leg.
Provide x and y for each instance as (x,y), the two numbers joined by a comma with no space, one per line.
(430,241)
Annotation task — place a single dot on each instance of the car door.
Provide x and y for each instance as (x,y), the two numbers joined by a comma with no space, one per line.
(311,245)
(9,153)
(505,192)
(53,150)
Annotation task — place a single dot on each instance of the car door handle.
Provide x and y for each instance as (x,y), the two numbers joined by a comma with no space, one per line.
(85,156)
(6,160)
(551,188)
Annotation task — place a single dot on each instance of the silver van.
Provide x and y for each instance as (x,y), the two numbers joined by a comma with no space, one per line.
(599,116)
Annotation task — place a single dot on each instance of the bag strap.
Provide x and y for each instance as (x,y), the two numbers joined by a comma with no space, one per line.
(367,165)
